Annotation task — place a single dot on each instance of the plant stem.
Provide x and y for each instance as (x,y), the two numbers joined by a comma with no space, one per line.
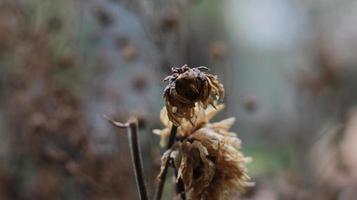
(136,158)
(135,152)
(180,188)
(161,184)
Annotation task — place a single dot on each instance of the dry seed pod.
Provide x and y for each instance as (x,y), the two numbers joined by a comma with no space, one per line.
(187,88)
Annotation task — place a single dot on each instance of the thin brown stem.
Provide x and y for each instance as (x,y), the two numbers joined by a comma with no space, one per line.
(135,152)
(161,183)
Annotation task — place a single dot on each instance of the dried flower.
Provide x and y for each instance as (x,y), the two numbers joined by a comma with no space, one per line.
(187,88)
(207,157)
(186,128)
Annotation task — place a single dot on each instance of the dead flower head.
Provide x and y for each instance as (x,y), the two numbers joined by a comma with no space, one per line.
(208,159)
(188,87)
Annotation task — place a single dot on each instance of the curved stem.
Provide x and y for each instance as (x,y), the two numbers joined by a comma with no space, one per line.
(135,152)
(136,159)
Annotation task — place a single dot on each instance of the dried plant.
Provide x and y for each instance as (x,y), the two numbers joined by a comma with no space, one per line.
(205,155)
(208,159)
(188,87)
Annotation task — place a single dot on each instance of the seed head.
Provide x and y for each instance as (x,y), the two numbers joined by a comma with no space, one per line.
(188,88)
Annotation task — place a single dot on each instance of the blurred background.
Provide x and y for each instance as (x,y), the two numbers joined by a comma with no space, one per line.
(289,69)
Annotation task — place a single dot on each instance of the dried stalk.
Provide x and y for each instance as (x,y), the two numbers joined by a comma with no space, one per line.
(132,126)
(161,184)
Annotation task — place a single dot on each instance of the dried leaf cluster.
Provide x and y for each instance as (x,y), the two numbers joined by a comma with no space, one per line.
(207,158)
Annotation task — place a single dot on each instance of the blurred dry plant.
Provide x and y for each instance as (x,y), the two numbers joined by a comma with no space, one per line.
(333,159)
(47,123)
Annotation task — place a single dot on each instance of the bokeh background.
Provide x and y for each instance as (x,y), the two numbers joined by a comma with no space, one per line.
(289,68)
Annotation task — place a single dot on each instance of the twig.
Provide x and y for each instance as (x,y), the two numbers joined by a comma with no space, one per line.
(132,126)
(161,184)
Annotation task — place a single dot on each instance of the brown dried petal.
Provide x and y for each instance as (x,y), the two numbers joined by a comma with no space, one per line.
(208,169)
(164,161)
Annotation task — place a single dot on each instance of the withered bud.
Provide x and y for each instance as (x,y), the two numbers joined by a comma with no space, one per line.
(187,88)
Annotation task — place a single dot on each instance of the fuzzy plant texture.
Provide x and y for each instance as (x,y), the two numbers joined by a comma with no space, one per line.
(206,156)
